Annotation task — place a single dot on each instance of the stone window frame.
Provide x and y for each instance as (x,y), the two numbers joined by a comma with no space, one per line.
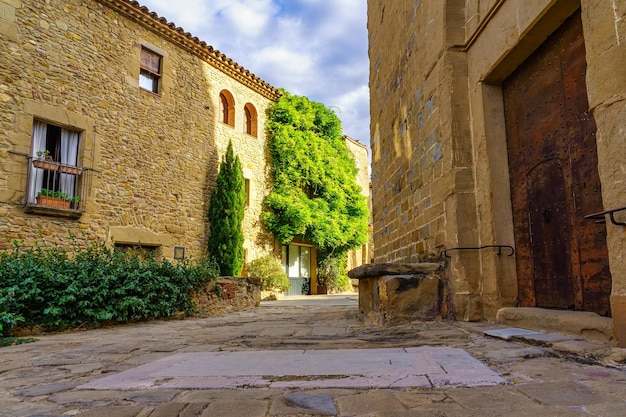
(247,191)
(150,69)
(60,117)
(53,172)
(227,108)
(251,120)
(134,68)
(161,244)
(248,187)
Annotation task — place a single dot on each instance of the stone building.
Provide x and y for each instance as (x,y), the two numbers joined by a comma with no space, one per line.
(361,255)
(498,126)
(128,115)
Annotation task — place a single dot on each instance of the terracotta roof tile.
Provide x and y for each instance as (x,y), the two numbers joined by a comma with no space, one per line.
(142,15)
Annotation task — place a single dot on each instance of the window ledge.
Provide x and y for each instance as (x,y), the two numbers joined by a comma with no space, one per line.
(152,93)
(49,211)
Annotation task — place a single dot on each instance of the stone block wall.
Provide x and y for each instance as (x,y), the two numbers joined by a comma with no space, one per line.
(439,158)
(360,255)
(153,157)
(410,171)
(395,293)
(227,295)
(604,25)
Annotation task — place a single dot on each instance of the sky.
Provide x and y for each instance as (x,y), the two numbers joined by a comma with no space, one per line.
(312,48)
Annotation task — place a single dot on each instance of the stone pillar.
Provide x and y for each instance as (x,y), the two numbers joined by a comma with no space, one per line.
(605,35)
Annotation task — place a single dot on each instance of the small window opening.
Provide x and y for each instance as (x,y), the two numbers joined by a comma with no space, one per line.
(150,70)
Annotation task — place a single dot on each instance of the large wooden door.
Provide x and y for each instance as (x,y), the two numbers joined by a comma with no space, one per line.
(562,258)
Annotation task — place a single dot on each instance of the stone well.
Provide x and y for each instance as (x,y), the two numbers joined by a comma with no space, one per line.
(393,293)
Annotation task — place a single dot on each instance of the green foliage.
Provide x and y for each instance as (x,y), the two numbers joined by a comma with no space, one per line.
(226,211)
(51,288)
(332,273)
(57,194)
(11,341)
(315,195)
(272,274)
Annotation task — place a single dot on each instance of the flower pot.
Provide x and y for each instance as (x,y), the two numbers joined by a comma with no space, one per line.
(45,201)
(47,165)
(55,166)
(67,169)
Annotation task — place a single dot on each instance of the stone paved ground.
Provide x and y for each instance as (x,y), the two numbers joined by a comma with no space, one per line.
(547,379)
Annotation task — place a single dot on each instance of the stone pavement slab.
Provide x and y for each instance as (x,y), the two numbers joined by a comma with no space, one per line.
(302,403)
(510,332)
(344,368)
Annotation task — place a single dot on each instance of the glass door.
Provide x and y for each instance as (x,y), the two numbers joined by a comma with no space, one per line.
(296,260)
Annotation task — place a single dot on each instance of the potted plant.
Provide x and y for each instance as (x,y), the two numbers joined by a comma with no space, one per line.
(44,161)
(74,202)
(55,199)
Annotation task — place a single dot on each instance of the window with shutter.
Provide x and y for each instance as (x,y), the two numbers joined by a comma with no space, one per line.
(150,70)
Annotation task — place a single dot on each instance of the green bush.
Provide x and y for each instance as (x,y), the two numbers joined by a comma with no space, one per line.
(332,273)
(51,288)
(270,271)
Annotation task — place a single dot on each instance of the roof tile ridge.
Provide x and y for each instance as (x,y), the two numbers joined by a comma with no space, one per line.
(142,15)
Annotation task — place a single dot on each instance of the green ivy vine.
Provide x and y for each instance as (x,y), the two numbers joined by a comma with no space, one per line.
(315,195)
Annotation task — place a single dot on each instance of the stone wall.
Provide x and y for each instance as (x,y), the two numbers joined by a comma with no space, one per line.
(604,25)
(408,149)
(422,175)
(227,295)
(360,255)
(439,162)
(152,158)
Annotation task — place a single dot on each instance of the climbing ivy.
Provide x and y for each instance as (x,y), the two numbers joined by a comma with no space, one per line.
(315,195)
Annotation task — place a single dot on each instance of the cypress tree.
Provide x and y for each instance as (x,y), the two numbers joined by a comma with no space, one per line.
(226,211)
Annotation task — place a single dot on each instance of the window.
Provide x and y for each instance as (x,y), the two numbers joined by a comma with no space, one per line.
(250,122)
(143,252)
(150,70)
(247,189)
(53,174)
(227,108)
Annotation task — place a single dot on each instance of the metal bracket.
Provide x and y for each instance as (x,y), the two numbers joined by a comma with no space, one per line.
(599,217)
(500,247)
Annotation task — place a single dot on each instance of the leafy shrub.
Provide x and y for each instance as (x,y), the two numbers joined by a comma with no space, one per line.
(51,288)
(8,320)
(332,273)
(270,271)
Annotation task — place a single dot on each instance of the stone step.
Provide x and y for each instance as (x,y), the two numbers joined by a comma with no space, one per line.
(583,324)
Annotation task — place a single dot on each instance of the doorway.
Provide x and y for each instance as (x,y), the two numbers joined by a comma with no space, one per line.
(296,260)
(562,258)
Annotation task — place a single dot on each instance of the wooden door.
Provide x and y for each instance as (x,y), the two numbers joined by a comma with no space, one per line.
(562,258)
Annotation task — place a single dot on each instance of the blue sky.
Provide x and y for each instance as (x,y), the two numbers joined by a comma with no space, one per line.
(314,48)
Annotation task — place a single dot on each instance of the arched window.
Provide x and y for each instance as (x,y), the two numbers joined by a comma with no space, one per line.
(250,122)
(227,108)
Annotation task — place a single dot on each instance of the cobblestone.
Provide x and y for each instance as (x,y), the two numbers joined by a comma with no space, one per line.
(41,378)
